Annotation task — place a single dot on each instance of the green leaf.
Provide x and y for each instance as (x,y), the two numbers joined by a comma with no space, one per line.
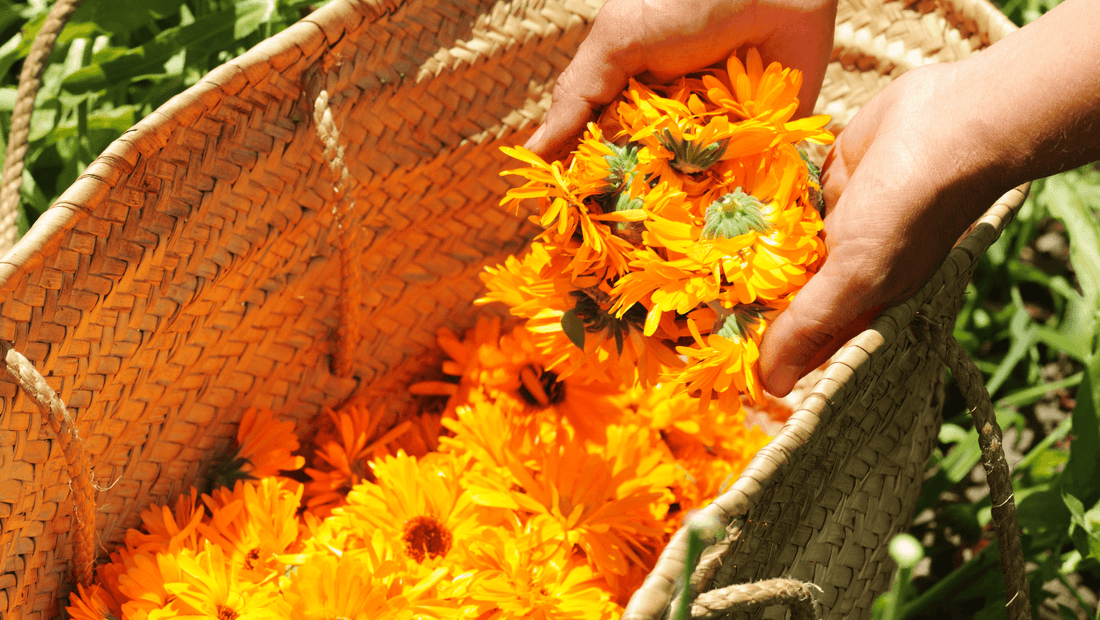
(210,32)
(573,326)
(122,17)
(1084,527)
(1083,469)
(1041,514)
(116,120)
(1067,196)
(72,30)
(1066,612)
(1030,395)
(1024,334)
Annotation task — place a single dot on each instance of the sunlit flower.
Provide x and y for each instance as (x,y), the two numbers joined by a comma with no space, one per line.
(531,574)
(723,364)
(211,587)
(606,506)
(354,585)
(420,503)
(254,523)
(753,92)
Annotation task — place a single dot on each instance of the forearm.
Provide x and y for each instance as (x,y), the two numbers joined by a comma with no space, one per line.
(1035,96)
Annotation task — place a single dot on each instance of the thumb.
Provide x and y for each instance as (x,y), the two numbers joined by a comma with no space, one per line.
(591,81)
(831,308)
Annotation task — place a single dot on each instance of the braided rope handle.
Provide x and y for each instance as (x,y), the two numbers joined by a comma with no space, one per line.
(972,385)
(796,595)
(347,235)
(30,81)
(64,428)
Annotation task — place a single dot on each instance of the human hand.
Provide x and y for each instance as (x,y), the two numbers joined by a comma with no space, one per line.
(902,183)
(665,39)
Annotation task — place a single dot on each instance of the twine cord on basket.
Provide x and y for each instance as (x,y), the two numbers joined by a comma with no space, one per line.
(347,331)
(64,428)
(972,386)
(797,596)
(30,81)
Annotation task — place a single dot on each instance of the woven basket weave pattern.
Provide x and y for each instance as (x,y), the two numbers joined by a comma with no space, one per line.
(194,270)
(190,272)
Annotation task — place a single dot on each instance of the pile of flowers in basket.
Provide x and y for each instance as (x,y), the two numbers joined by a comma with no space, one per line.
(685,219)
(554,455)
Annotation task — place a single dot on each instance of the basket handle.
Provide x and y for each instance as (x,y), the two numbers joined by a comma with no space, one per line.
(796,595)
(80,474)
(347,234)
(972,385)
(30,81)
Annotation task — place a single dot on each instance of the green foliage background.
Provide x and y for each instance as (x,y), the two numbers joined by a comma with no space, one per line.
(118,60)
(115,62)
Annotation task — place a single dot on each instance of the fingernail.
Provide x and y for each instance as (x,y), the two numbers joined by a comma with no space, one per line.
(534,139)
(782,380)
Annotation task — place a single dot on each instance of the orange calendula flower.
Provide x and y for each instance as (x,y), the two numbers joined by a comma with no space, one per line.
(352,436)
(92,603)
(723,364)
(604,505)
(752,92)
(254,523)
(684,197)
(364,584)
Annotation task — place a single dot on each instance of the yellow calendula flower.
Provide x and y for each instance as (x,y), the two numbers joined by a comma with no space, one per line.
(531,574)
(750,91)
(210,587)
(420,504)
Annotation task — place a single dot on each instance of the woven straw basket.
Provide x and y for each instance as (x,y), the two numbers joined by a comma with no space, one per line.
(292,231)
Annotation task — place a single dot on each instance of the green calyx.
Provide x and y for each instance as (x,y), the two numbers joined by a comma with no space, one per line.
(588,316)
(620,167)
(734,323)
(811,167)
(733,215)
(814,175)
(227,473)
(616,196)
(691,157)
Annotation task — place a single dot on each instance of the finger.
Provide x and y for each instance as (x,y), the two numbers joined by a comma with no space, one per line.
(603,65)
(832,307)
(806,44)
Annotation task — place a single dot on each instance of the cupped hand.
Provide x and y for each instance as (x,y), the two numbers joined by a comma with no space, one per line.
(902,183)
(664,39)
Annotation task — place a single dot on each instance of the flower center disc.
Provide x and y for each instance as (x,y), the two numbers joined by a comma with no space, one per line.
(426,537)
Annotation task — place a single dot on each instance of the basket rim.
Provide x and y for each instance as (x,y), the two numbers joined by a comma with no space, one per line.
(304,38)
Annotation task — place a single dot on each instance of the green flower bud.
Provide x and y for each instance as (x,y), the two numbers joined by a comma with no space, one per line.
(733,215)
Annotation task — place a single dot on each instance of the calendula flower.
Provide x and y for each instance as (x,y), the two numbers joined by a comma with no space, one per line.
(531,574)
(752,92)
(144,585)
(364,584)
(604,506)
(420,503)
(93,603)
(211,587)
(169,530)
(254,523)
(353,435)
(686,138)
(723,364)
